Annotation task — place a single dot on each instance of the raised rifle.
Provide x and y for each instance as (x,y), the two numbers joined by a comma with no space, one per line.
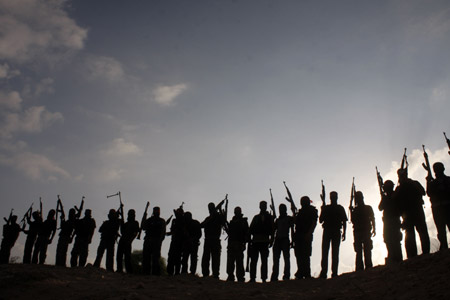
(27,216)
(322,195)
(40,208)
(144,217)
(352,194)
(8,221)
(59,209)
(169,219)
(79,209)
(380,182)
(404,164)
(120,209)
(448,142)
(272,205)
(427,165)
(290,199)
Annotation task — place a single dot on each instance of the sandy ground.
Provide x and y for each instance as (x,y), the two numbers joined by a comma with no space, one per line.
(424,277)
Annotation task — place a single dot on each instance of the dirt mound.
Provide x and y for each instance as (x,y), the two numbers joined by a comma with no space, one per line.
(424,277)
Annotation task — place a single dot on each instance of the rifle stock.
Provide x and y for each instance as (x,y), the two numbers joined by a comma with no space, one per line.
(448,142)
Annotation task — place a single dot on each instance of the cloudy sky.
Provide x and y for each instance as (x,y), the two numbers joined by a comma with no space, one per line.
(171,101)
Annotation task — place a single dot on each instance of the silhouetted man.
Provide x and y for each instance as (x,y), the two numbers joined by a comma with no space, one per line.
(65,237)
(438,190)
(129,231)
(84,230)
(392,224)
(305,223)
(45,237)
(409,193)
(284,229)
(191,243)
(11,232)
(363,221)
(32,233)
(237,238)
(261,231)
(212,226)
(155,232)
(109,231)
(333,219)
(178,233)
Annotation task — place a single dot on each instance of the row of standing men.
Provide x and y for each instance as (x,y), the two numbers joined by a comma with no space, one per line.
(402,210)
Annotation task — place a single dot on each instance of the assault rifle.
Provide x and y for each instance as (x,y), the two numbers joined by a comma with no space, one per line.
(380,182)
(426,165)
(448,142)
(290,199)
(169,219)
(8,221)
(40,208)
(272,205)
(144,217)
(352,194)
(79,209)
(59,209)
(120,209)
(322,195)
(27,216)
(404,164)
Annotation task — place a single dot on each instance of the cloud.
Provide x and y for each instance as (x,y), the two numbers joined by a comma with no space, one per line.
(6,72)
(31,29)
(120,147)
(165,95)
(107,68)
(45,86)
(11,100)
(34,166)
(32,120)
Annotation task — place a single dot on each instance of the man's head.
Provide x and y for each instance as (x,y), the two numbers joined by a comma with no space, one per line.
(402,175)
(359,198)
(72,213)
(131,215)
(283,209)
(263,206)
(188,216)
(333,197)
(156,211)
(211,208)
(305,201)
(237,211)
(51,214)
(112,214)
(13,219)
(438,169)
(88,213)
(388,186)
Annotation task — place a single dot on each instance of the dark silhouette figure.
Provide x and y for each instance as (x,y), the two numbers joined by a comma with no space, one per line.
(84,230)
(284,230)
(109,232)
(65,237)
(179,233)
(212,226)
(191,244)
(438,190)
(45,237)
(129,231)
(11,232)
(409,194)
(237,238)
(392,224)
(305,223)
(155,232)
(333,219)
(261,231)
(32,233)
(363,221)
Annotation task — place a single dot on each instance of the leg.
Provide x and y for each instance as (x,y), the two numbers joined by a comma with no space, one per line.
(194,257)
(264,258)
(422,229)
(358,246)
(276,253)
(335,244)
(368,252)
(100,251)
(286,247)
(215,258)
(110,255)
(326,240)
(119,256)
(205,258)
